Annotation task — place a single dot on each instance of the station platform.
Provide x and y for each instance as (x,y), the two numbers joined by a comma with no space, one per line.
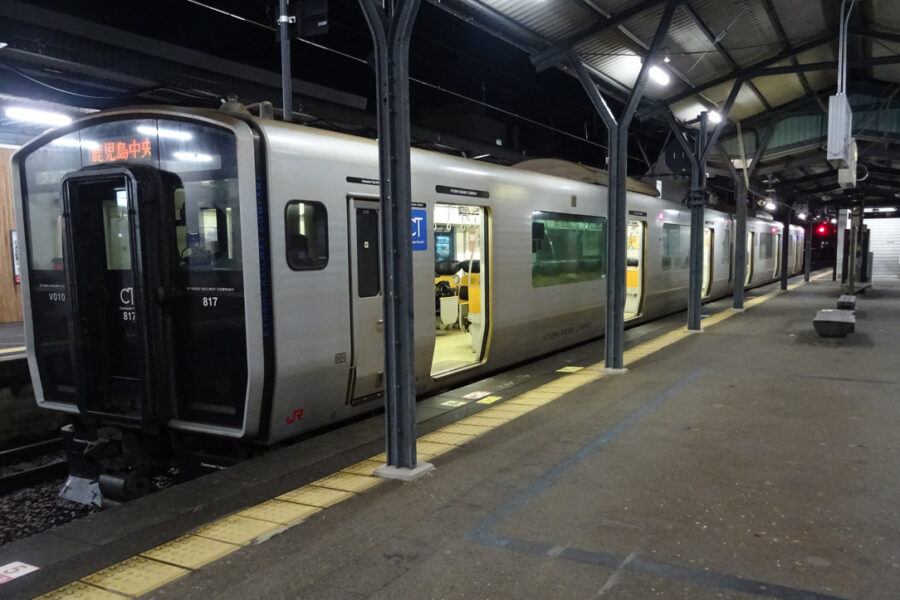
(754,460)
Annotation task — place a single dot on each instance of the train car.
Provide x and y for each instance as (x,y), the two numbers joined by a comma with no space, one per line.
(199,282)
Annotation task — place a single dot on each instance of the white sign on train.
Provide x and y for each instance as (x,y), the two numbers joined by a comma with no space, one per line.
(10,571)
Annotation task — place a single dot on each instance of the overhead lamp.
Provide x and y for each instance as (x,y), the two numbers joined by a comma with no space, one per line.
(770,205)
(834,221)
(802,216)
(659,75)
(33,115)
(715,117)
(3,45)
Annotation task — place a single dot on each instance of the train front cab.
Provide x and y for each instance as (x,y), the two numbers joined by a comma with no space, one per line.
(135,242)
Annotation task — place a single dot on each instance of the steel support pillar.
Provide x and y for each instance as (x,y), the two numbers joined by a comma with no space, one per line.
(698,204)
(807,258)
(391,27)
(617,237)
(284,35)
(740,242)
(785,248)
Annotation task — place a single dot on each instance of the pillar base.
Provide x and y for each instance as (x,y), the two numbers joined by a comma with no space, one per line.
(701,330)
(612,371)
(403,474)
(732,309)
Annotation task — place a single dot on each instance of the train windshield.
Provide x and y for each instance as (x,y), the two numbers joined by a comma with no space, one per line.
(169,204)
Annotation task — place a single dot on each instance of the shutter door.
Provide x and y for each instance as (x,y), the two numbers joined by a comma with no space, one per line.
(884,244)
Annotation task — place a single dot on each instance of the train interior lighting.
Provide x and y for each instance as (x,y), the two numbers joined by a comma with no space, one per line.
(460,276)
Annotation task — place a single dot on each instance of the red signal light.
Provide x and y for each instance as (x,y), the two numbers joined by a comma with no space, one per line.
(822,229)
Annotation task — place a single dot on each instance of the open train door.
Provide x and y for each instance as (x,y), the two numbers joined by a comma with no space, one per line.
(118,274)
(708,239)
(749,268)
(634,274)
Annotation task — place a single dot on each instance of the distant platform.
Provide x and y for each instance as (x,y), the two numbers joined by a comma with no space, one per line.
(12,340)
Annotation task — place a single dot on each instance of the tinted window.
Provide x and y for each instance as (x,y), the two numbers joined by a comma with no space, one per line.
(566,248)
(306,235)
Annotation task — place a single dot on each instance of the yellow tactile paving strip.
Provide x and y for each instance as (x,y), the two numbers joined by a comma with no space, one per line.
(163,564)
(17,349)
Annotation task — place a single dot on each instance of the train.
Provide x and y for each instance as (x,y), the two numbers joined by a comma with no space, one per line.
(200,283)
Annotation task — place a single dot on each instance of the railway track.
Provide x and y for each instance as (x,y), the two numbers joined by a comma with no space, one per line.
(25,466)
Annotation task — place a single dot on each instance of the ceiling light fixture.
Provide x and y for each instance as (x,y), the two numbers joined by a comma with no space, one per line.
(770,205)
(33,115)
(715,117)
(659,75)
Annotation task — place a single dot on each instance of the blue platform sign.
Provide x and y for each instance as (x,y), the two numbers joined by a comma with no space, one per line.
(419,229)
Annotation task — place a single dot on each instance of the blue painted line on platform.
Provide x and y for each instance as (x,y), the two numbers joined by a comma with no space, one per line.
(553,475)
(482,533)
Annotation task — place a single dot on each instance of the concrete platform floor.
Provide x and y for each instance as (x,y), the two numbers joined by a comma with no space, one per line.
(754,460)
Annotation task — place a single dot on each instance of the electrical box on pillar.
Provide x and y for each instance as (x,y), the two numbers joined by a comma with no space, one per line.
(312,17)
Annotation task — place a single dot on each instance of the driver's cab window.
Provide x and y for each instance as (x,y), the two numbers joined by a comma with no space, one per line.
(205,232)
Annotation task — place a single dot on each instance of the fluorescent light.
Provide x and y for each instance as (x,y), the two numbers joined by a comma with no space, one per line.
(192,157)
(3,45)
(73,143)
(480,156)
(715,116)
(834,221)
(33,115)
(770,205)
(802,216)
(659,76)
(172,134)
(121,199)
(888,209)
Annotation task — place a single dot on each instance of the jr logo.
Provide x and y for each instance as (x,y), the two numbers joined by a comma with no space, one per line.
(298,415)
(126,296)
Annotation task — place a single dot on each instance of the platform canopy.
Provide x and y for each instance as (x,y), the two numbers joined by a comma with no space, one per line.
(782,53)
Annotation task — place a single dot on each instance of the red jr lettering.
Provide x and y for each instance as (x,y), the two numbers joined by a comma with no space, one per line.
(110,150)
(298,415)
(121,151)
(97,155)
(145,148)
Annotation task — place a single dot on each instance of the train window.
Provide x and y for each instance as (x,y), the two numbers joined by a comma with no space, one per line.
(117,232)
(566,248)
(306,235)
(676,246)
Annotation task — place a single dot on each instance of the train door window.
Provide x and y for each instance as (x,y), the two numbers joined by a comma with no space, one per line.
(118,233)
(634,273)
(306,235)
(708,235)
(749,266)
(461,287)
(676,247)
(724,253)
(368,261)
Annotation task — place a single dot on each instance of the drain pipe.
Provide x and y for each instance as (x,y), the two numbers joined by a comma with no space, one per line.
(287,93)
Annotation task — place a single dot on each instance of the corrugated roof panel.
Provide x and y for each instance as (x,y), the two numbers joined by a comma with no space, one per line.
(609,53)
(801,20)
(552,19)
(779,89)
(820,80)
(691,53)
(886,72)
(748,33)
(746,104)
(688,109)
(881,14)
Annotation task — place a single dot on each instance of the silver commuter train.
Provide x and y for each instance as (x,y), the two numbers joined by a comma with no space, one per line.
(194,275)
